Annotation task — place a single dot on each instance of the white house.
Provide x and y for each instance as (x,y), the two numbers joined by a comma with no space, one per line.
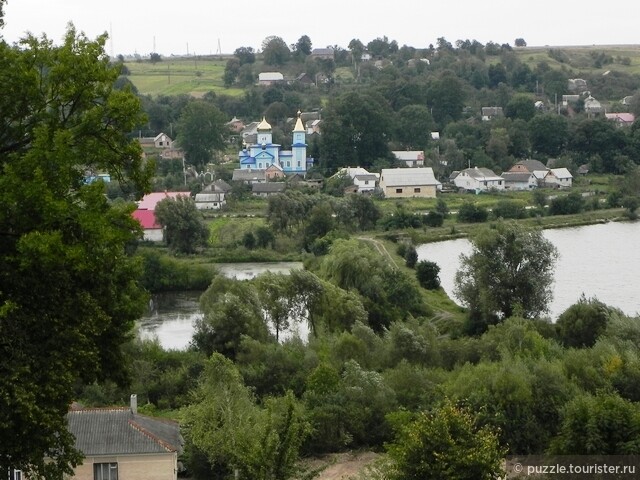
(519,181)
(363,180)
(409,182)
(411,158)
(563,177)
(478,180)
(269,78)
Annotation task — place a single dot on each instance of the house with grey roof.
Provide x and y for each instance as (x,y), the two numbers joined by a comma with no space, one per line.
(489,113)
(519,180)
(478,180)
(268,188)
(249,175)
(269,78)
(411,158)
(409,182)
(121,443)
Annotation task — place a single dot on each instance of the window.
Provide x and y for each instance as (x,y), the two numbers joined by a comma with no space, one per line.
(15,474)
(416,190)
(105,471)
(298,163)
(398,190)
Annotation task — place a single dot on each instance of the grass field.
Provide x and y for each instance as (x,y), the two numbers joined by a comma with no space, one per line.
(180,75)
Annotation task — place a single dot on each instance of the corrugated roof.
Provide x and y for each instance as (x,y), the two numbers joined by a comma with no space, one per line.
(116,431)
(150,200)
(516,176)
(398,177)
(147,219)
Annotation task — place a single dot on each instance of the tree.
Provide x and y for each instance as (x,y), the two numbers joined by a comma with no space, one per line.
(303,46)
(510,270)
(245,55)
(232,310)
(602,424)
(471,213)
(237,436)
(520,106)
(69,294)
(443,444)
(355,129)
(581,324)
(184,227)
(446,98)
(520,42)
(427,274)
(275,51)
(414,126)
(201,131)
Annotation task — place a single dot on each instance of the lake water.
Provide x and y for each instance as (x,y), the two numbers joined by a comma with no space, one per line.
(601,261)
(171,316)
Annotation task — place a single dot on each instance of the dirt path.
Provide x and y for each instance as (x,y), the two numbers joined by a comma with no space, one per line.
(382,250)
(342,466)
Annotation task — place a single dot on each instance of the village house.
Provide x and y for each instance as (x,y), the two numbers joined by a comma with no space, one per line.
(213,196)
(145,214)
(249,176)
(268,188)
(478,180)
(562,178)
(270,78)
(363,181)
(411,158)
(519,180)
(121,443)
(489,113)
(322,53)
(409,182)
(162,140)
(621,119)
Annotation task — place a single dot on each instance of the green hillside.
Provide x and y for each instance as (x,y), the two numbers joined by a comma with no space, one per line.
(198,75)
(180,75)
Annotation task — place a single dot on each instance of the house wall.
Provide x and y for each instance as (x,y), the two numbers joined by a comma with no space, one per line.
(426,191)
(161,466)
(153,234)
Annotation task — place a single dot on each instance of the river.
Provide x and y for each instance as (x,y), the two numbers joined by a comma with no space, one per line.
(601,261)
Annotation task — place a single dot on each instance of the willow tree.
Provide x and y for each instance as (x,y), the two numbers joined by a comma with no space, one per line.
(509,271)
(68,289)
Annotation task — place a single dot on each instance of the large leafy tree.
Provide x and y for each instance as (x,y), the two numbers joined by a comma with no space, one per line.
(184,228)
(238,436)
(355,130)
(68,289)
(275,51)
(509,271)
(201,131)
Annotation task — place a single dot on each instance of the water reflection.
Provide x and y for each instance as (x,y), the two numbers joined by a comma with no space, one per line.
(171,317)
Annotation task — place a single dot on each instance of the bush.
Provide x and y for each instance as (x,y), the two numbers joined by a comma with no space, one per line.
(471,213)
(433,219)
(509,209)
(427,273)
(411,256)
(567,205)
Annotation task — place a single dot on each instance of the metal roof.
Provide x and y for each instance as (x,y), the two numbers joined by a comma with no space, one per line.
(114,431)
(398,177)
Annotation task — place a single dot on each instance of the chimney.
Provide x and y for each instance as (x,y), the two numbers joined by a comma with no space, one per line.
(134,404)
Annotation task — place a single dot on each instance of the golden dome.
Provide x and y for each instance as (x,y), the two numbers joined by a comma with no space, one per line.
(264,125)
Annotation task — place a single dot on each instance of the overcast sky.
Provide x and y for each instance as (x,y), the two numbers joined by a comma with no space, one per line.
(200,26)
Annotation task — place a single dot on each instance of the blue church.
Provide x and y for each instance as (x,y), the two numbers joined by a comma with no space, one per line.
(265,153)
